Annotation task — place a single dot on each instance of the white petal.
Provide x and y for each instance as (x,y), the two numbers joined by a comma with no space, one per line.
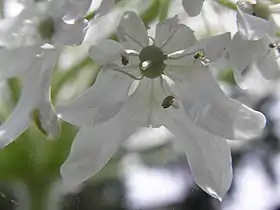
(268,66)
(148,138)
(243,52)
(208,156)
(209,107)
(11,68)
(94,146)
(70,34)
(100,102)
(192,7)
(214,47)
(35,95)
(105,7)
(252,80)
(251,27)
(132,32)
(173,35)
(106,51)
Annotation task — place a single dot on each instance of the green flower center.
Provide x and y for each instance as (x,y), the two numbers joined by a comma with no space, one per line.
(46,28)
(152,61)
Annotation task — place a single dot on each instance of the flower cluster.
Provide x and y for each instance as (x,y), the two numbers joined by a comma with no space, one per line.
(144,81)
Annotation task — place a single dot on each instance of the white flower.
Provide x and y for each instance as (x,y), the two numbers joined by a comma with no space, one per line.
(255,47)
(165,83)
(54,22)
(34,66)
(192,8)
(254,19)
(255,55)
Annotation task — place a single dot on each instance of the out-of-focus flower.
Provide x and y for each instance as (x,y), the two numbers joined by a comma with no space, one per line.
(57,23)
(254,19)
(35,39)
(256,45)
(169,83)
(255,55)
(34,66)
(192,8)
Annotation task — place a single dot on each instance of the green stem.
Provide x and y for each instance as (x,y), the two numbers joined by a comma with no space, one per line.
(38,194)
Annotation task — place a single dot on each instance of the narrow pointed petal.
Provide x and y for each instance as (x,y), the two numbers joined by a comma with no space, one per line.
(171,36)
(208,156)
(132,32)
(251,27)
(100,102)
(192,8)
(209,107)
(95,145)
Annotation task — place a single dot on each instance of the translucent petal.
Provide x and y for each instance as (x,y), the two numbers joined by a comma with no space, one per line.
(172,36)
(193,8)
(95,145)
(70,34)
(212,48)
(100,102)
(243,52)
(208,156)
(24,57)
(251,27)
(268,66)
(209,107)
(132,32)
(106,51)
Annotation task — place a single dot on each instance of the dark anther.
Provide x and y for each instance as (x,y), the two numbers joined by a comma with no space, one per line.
(198,55)
(124,60)
(167,102)
(272,45)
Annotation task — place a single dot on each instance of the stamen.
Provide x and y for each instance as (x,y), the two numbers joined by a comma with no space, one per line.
(145,65)
(272,45)
(275,46)
(128,74)
(153,40)
(198,54)
(131,53)
(169,100)
(125,60)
